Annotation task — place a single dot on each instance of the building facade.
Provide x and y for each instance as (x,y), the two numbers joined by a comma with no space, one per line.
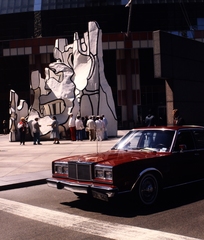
(29,29)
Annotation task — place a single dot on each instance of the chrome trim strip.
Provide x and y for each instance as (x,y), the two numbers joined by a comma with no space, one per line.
(150,169)
(79,188)
(104,188)
(102,166)
(61,163)
(173,142)
(183,184)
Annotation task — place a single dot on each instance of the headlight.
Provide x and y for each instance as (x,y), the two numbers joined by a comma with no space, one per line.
(99,173)
(103,172)
(108,175)
(61,168)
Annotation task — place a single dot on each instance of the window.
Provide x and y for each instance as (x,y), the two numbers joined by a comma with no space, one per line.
(37,5)
(184,138)
(199,139)
(200,23)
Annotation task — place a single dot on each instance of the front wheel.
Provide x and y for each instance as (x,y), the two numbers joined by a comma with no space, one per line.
(148,189)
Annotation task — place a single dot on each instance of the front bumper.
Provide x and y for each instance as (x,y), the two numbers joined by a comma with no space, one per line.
(99,192)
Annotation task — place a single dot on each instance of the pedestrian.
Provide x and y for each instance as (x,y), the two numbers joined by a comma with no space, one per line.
(72,127)
(177,119)
(99,127)
(91,128)
(94,118)
(105,121)
(84,126)
(54,134)
(79,127)
(5,127)
(36,132)
(103,127)
(23,127)
(150,119)
(85,133)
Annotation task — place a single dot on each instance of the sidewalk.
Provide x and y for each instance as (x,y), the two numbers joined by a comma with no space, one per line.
(27,165)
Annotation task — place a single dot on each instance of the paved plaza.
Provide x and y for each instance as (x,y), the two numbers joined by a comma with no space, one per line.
(27,165)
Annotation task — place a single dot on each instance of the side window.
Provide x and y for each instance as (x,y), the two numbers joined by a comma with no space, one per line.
(199,138)
(184,138)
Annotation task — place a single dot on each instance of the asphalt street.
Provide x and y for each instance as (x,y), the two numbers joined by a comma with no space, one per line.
(27,165)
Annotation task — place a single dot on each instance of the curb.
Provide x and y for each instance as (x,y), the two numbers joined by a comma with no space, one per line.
(23,184)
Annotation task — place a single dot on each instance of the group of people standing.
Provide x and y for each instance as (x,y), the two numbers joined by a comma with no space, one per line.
(23,129)
(97,128)
(177,119)
(92,128)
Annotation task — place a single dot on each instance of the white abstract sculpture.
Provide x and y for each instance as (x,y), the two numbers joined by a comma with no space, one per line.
(74,83)
(16,112)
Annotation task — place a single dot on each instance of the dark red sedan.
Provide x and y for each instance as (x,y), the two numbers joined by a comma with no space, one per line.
(143,162)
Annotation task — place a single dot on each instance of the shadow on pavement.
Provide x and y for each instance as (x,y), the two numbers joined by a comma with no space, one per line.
(127,207)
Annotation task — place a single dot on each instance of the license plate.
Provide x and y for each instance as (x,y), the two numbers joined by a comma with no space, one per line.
(101,196)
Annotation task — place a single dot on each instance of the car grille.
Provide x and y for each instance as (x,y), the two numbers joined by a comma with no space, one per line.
(80,171)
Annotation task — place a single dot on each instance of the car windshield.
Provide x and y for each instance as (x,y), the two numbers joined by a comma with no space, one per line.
(155,140)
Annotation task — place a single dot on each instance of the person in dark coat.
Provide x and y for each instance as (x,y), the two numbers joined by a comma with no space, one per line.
(36,132)
(54,134)
(150,119)
(5,127)
(22,126)
(177,119)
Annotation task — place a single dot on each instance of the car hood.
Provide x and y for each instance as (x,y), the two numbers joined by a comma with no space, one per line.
(113,157)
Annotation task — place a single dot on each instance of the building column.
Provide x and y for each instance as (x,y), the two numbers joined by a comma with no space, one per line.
(128,74)
(169,102)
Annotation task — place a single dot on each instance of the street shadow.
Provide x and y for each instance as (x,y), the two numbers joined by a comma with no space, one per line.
(128,207)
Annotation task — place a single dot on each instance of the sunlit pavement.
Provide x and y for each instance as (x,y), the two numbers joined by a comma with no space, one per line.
(27,165)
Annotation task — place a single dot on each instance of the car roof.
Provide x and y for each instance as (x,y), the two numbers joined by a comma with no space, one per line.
(172,127)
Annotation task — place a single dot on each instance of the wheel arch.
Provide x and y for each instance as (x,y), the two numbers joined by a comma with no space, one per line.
(153,171)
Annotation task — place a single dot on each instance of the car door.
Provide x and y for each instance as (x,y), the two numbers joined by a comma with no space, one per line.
(198,135)
(185,158)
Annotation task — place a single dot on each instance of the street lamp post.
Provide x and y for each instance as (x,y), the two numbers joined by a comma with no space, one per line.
(129,4)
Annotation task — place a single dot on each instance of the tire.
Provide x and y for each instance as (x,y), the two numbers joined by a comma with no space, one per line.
(148,189)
